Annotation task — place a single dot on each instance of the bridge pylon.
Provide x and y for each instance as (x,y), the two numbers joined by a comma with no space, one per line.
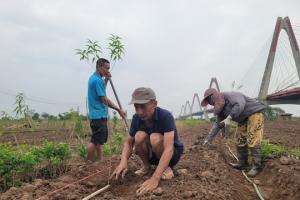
(281,24)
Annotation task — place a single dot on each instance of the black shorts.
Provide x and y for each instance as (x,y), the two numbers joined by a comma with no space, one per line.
(174,160)
(99,131)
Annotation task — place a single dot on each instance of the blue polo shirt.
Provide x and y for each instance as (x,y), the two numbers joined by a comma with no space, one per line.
(96,89)
(163,122)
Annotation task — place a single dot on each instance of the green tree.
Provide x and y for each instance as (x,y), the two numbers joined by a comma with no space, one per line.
(116,48)
(21,109)
(45,115)
(36,116)
(93,50)
(272,113)
(4,115)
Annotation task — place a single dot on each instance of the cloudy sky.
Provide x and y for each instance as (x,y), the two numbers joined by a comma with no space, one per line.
(174,47)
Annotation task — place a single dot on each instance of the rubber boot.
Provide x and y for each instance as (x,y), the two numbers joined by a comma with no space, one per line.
(242,153)
(256,162)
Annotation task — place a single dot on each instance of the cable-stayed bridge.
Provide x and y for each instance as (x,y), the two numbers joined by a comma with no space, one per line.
(278,83)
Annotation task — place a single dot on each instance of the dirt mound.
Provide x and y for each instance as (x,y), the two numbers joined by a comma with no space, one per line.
(286,133)
(36,137)
(280,179)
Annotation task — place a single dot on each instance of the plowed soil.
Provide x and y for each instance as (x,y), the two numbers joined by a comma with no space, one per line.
(202,173)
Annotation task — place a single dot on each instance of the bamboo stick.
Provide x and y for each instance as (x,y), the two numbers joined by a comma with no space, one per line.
(96,193)
(247,178)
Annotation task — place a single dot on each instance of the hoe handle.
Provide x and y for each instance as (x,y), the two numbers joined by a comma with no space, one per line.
(118,100)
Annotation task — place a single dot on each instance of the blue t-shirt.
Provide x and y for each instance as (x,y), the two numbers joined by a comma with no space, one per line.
(96,89)
(163,122)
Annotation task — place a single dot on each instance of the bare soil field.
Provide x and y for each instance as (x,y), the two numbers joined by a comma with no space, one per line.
(202,173)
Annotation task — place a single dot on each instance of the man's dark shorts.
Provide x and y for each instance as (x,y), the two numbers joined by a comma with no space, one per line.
(174,160)
(99,131)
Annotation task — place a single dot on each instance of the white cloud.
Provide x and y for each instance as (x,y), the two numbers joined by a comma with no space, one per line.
(175,47)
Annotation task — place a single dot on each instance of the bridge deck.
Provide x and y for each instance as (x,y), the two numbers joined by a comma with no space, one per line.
(291,94)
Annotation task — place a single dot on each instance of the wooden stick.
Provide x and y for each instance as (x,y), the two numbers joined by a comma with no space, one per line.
(119,103)
(16,140)
(248,179)
(97,192)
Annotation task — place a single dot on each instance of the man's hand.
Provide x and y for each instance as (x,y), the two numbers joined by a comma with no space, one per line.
(148,186)
(226,121)
(108,75)
(122,113)
(122,168)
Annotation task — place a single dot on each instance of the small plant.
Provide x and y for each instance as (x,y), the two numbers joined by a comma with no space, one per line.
(106,150)
(115,146)
(24,162)
(295,153)
(79,128)
(115,122)
(117,143)
(81,149)
(272,150)
(60,151)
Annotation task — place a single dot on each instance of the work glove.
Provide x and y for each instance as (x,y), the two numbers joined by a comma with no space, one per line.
(206,142)
(225,132)
(226,121)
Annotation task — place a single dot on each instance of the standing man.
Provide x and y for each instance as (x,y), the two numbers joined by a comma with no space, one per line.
(154,135)
(98,108)
(248,113)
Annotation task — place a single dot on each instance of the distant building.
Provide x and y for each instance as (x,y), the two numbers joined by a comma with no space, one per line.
(285,116)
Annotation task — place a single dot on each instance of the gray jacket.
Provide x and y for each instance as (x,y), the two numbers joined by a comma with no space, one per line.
(239,107)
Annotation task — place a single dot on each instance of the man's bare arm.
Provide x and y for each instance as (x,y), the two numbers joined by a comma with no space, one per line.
(122,168)
(127,149)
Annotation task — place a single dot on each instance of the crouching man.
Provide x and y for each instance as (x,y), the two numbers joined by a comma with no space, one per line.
(154,135)
(248,113)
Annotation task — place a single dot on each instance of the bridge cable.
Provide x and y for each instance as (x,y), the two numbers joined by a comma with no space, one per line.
(253,91)
(288,79)
(278,60)
(285,46)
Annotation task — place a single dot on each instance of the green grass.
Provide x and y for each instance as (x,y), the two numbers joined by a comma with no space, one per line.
(295,153)
(189,123)
(273,150)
